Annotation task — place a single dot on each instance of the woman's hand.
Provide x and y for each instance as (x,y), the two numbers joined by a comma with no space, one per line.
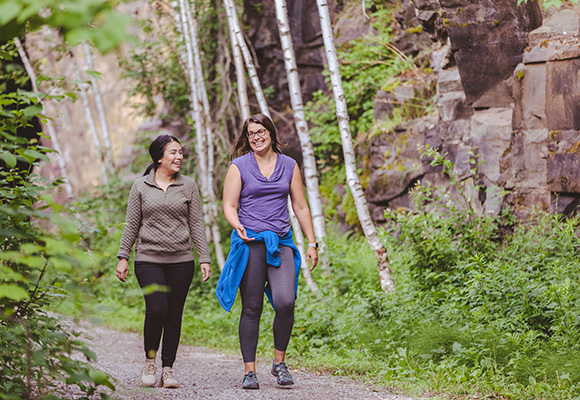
(243,234)
(205,271)
(122,269)
(312,255)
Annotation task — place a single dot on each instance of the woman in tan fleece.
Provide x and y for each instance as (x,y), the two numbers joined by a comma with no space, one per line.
(164,217)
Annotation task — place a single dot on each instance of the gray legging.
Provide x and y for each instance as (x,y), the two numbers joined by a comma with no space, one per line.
(282,281)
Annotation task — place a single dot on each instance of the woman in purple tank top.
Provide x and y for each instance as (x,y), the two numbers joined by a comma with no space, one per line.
(255,201)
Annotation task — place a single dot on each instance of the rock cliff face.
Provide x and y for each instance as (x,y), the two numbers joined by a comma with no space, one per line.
(508,89)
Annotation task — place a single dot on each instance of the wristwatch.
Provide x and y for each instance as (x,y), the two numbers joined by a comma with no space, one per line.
(315,245)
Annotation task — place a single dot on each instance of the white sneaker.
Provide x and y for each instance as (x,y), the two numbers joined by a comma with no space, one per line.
(167,379)
(148,373)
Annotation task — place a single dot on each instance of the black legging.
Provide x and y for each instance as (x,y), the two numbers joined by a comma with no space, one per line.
(163,309)
(282,282)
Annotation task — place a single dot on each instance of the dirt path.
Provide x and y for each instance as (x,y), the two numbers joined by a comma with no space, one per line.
(208,374)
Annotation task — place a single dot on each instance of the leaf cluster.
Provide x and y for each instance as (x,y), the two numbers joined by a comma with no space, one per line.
(37,250)
(96,21)
(367,64)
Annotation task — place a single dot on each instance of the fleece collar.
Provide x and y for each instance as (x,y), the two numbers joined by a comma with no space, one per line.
(150,180)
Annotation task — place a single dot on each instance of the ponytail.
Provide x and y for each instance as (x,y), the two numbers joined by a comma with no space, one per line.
(149,168)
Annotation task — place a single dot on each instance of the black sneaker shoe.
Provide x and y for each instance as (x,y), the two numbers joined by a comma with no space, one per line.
(283,377)
(250,381)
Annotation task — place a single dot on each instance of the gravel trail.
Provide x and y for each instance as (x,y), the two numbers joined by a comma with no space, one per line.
(209,374)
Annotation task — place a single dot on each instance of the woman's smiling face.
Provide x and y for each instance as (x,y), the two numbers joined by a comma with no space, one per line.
(172,158)
(259,137)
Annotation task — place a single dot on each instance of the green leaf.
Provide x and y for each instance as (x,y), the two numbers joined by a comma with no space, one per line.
(100,378)
(37,155)
(8,274)
(32,111)
(8,158)
(13,292)
(9,10)
(94,74)
(32,9)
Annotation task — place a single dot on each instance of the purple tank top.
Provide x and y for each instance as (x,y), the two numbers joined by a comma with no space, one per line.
(264,202)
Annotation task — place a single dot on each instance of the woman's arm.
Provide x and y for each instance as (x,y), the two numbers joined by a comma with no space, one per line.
(197,226)
(130,232)
(300,207)
(232,190)
(197,233)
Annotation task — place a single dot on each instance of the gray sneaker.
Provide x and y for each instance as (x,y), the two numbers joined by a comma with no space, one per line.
(283,377)
(148,373)
(167,378)
(250,381)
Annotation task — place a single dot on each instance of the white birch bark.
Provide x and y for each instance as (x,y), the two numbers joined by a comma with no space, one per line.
(309,162)
(385,276)
(207,131)
(299,238)
(235,28)
(48,126)
(241,77)
(196,115)
(90,118)
(100,108)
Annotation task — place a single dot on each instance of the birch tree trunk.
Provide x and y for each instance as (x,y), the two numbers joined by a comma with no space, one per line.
(90,118)
(309,162)
(385,275)
(100,108)
(240,72)
(237,32)
(241,78)
(207,125)
(196,115)
(299,238)
(48,126)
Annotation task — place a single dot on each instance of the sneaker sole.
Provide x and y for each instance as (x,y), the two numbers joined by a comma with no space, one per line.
(251,388)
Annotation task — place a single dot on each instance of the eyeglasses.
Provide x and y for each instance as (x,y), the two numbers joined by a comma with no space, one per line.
(259,132)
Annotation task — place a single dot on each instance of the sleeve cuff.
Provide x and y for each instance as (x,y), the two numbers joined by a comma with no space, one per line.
(123,254)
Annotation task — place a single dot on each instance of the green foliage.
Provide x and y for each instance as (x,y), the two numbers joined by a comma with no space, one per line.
(546,4)
(95,21)
(367,65)
(154,71)
(483,312)
(445,231)
(35,350)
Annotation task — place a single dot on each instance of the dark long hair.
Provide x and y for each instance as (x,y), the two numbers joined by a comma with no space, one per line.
(242,145)
(156,150)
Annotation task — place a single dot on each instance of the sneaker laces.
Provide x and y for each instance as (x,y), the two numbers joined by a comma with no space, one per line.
(282,370)
(167,374)
(149,368)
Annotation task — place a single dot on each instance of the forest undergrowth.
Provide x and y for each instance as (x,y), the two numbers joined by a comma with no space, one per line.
(485,307)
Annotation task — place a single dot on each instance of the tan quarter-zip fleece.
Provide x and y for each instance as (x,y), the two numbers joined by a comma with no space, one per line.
(164,224)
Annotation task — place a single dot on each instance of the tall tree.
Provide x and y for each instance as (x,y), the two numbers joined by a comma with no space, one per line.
(100,106)
(240,73)
(208,127)
(195,109)
(369,229)
(309,162)
(47,126)
(235,28)
(90,118)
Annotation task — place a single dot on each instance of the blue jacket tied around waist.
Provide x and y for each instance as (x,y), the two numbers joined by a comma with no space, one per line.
(237,260)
